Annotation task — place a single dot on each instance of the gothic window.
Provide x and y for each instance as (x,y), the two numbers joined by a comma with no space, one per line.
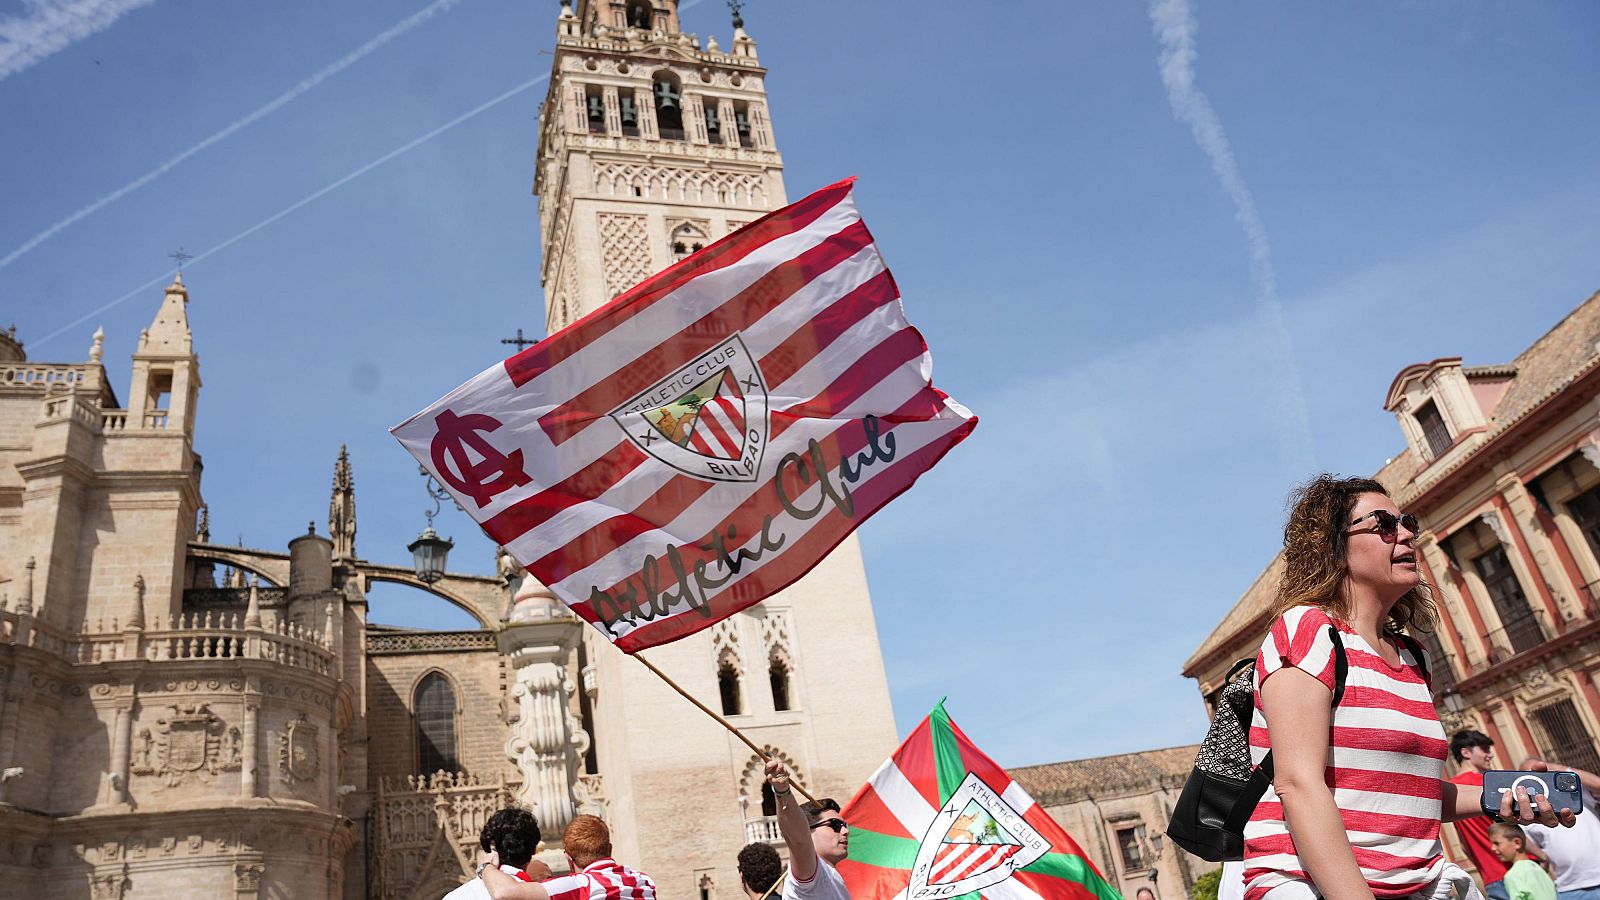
(669,105)
(713,121)
(778,674)
(435,710)
(1569,742)
(686,239)
(630,115)
(741,122)
(728,686)
(1433,428)
(1520,628)
(594,106)
(639,14)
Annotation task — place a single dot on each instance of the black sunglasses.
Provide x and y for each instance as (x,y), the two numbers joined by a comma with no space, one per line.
(837,825)
(1388,524)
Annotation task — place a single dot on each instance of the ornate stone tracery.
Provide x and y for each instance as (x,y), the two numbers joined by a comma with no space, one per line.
(627,251)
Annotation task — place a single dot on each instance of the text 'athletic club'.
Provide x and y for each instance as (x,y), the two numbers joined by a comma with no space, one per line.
(706,438)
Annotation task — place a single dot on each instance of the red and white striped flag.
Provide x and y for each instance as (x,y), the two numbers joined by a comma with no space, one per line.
(704,439)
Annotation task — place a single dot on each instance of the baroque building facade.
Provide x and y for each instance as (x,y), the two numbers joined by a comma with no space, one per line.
(1502,466)
(184,718)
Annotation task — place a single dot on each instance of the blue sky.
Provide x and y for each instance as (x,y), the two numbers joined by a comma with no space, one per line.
(1422,176)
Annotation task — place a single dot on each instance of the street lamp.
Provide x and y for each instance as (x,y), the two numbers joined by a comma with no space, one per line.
(429,551)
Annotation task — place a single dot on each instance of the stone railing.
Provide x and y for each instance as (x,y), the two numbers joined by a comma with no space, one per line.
(764,829)
(191,636)
(409,814)
(232,596)
(149,420)
(72,406)
(43,375)
(429,641)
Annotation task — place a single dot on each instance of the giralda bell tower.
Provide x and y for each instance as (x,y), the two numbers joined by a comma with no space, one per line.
(652,145)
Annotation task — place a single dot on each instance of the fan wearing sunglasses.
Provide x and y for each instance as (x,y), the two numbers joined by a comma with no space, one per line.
(818,839)
(1358,789)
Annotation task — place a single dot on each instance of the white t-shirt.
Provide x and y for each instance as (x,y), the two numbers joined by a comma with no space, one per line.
(1575,851)
(826,884)
(474,889)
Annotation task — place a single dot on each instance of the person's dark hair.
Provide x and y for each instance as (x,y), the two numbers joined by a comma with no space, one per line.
(760,866)
(815,808)
(1144,890)
(514,833)
(1465,740)
(1315,564)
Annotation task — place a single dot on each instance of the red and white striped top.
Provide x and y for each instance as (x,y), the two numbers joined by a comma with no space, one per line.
(1385,763)
(604,879)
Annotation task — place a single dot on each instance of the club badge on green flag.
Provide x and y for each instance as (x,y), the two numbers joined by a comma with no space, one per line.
(940,820)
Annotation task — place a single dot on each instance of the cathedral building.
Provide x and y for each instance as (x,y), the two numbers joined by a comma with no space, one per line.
(184,718)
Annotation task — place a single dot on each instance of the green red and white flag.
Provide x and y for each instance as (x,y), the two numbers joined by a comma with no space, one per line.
(941,820)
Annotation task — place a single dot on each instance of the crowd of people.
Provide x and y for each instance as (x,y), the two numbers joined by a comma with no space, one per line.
(814,833)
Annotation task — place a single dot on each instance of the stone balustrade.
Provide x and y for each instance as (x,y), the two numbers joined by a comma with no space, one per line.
(210,635)
(72,406)
(44,375)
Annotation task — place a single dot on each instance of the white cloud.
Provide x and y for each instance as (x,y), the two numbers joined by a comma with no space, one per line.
(47,27)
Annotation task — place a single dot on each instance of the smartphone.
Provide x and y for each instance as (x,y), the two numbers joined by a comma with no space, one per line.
(1560,788)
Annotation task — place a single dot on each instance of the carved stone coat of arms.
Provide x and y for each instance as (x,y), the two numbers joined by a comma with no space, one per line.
(189,741)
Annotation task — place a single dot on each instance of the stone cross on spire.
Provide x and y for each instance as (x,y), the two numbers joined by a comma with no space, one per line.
(342,508)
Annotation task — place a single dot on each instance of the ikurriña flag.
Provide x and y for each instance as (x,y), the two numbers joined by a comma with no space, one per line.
(706,438)
(941,820)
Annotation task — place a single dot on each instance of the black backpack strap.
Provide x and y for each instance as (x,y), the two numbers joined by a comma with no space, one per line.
(1341,664)
(1341,668)
(1417,653)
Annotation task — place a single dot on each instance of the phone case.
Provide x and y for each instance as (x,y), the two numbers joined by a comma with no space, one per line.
(1560,788)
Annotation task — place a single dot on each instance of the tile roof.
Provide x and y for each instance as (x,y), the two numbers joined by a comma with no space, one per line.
(1053,784)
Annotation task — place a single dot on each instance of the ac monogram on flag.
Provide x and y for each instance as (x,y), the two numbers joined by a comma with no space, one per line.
(706,438)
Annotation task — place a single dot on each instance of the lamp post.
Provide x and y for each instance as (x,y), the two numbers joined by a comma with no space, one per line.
(429,552)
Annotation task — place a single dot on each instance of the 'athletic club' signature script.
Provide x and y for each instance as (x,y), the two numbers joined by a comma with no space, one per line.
(669,581)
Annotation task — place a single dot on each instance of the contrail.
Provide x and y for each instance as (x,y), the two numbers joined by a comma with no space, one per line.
(329,188)
(50,26)
(311,81)
(1175,26)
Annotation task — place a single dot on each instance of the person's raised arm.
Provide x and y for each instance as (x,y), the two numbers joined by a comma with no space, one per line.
(502,886)
(792,823)
(1299,712)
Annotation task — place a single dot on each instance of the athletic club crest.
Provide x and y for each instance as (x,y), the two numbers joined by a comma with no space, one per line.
(708,419)
(977,840)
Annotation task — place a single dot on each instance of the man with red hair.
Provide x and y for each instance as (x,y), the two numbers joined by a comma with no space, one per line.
(595,875)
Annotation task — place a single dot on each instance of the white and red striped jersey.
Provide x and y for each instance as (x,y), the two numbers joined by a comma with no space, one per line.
(706,438)
(604,879)
(1386,755)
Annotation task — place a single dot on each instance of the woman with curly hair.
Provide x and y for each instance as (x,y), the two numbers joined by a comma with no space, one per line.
(1357,789)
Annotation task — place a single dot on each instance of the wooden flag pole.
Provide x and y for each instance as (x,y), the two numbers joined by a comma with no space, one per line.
(724,722)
